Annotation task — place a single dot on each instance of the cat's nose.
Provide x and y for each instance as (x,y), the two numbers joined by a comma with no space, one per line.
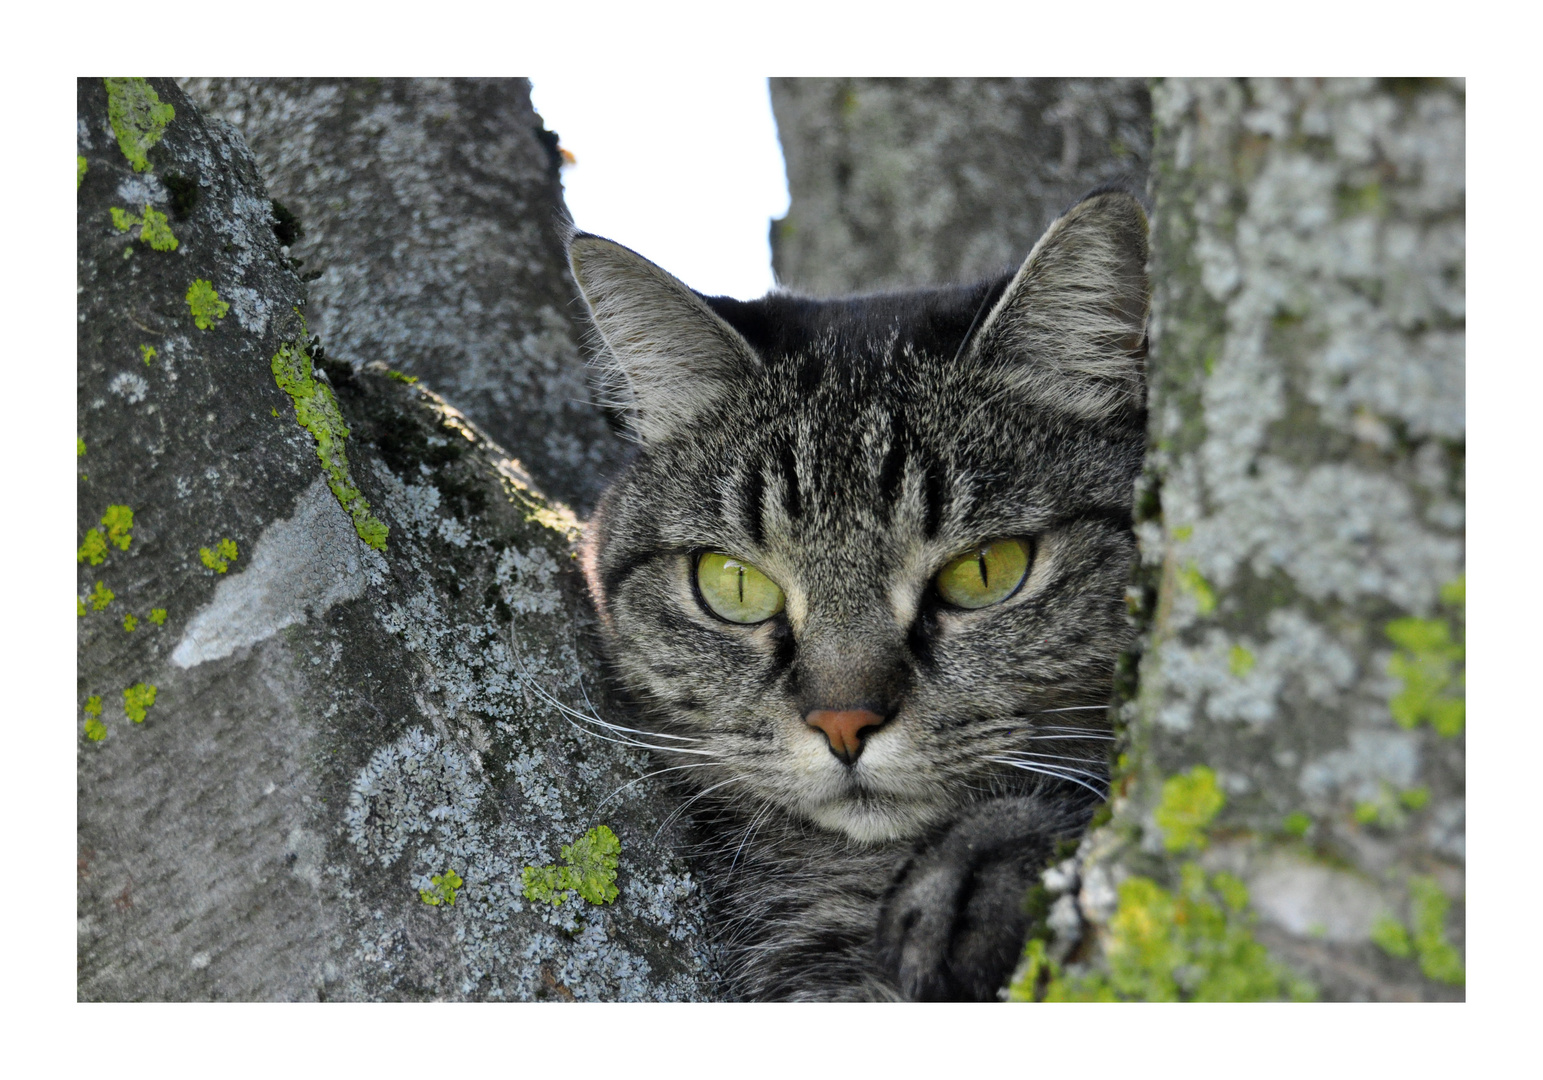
(844,729)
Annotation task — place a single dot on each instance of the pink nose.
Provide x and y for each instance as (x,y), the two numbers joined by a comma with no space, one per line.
(843,728)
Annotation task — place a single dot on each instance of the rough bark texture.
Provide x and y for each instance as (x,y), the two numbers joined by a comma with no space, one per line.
(336,726)
(919,181)
(432,213)
(1297,730)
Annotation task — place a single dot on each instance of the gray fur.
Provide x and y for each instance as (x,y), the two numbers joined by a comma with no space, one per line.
(850,467)
(673,356)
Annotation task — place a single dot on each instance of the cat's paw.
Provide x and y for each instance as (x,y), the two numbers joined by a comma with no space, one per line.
(953,924)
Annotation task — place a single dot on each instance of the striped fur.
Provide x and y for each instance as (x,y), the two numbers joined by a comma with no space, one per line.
(849,449)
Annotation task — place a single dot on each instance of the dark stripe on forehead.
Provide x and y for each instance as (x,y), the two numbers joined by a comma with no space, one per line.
(936,495)
(754,488)
(1118,516)
(809,373)
(791,499)
(892,471)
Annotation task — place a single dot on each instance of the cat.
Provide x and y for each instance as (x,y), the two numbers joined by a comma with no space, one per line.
(864,584)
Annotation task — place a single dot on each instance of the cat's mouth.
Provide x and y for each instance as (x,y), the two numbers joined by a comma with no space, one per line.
(872,818)
(866,804)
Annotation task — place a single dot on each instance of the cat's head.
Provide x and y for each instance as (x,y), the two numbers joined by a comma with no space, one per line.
(870,546)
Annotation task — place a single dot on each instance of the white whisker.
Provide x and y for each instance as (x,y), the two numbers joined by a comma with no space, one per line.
(651,775)
(1045,770)
(1066,768)
(682,807)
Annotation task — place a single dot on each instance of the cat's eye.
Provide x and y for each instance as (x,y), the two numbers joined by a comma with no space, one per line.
(988,575)
(735,590)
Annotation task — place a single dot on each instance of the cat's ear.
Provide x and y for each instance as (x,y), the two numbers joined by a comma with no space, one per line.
(1069,332)
(671,355)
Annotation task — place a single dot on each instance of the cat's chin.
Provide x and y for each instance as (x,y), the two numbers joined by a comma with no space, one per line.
(876,822)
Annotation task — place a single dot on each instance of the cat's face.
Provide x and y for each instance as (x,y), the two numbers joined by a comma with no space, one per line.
(855,509)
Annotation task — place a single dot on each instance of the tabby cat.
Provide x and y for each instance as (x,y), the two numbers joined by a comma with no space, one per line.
(864,582)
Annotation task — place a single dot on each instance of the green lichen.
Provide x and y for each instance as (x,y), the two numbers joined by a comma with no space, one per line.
(1389,935)
(158,616)
(101,596)
(1189,803)
(119,521)
(93,549)
(219,557)
(444,890)
(80,171)
(80,447)
(399,377)
(1240,661)
(1439,959)
(589,869)
(1194,944)
(138,117)
(316,410)
(205,304)
(1193,582)
(94,705)
(147,353)
(1354,201)
(154,229)
(1390,809)
(136,699)
(1296,824)
(130,623)
(80,607)
(96,731)
(1430,664)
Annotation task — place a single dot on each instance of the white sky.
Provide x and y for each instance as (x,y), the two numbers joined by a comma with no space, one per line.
(685,170)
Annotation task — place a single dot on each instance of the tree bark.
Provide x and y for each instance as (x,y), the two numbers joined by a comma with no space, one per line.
(430,226)
(323,623)
(917,181)
(1297,730)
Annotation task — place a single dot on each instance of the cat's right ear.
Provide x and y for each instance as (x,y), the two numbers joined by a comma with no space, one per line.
(1069,332)
(671,356)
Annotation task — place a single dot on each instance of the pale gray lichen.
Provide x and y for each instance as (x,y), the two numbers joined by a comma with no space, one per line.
(533,570)
(1307,418)
(130,386)
(250,308)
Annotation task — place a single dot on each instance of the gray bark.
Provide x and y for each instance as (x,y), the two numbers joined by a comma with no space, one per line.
(333,725)
(433,213)
(920,181)
(1303,547)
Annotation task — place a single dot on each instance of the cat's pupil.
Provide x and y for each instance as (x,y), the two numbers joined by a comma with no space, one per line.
(980,557)
(741,584)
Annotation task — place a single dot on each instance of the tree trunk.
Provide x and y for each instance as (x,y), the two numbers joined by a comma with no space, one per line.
(428,221)
(325,620)
(916,181)
(1294,776)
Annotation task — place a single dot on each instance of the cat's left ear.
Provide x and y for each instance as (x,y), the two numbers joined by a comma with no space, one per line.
(672,356)
(1069,332)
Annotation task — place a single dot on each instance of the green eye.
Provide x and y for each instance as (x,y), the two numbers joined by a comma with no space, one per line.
(735,590)
(988,575)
